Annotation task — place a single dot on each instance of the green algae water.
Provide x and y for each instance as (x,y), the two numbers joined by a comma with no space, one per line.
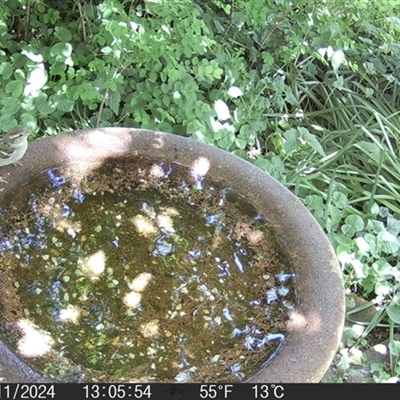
(143,271)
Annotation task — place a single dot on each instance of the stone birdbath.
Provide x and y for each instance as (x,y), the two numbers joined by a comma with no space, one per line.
(315,317)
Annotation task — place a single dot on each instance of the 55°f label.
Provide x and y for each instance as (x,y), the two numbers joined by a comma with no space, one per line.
(214,391)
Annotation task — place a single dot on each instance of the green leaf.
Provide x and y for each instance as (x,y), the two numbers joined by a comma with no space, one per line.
(153,76)
(374,209)
(217,73)
(335,214)
(43,105)
(241,143)
(14,87)
(10,105)
(165,127)
(58,68)
(383,269)
(384,212)
(113,101)
(375,226)
(355,221)
(341,239)
(348,230)
(394,345)
(340,200)
(164,88)
(314,202)
(372,242)
(107,13)
(6,70)
(343,252)
(7,121)
(62,34)
(291,99)
(87,92)
(209,69)
(292,141)
(311,140)
(198,127)
(28,119)
(263,164)
(387,242)
(227,139)
(267,58)
(61,51)
(393,225)
(166,101)
(62,103)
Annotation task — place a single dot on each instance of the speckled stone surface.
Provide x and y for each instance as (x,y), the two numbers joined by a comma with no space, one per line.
(317,322)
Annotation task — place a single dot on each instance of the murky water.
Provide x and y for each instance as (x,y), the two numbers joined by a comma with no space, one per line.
(144,271)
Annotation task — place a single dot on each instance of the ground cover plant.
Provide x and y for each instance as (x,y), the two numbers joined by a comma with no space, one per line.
(307,91)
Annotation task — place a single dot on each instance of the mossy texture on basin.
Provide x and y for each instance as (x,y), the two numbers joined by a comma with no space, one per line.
(312,327)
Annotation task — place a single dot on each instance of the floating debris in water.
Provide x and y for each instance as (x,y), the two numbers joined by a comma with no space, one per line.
(284,277)
(162,247)
(193,254)
(5,245)
(208,294)
(283,291)
(224,269)
(223,193)
(242,250)
(56,181)
(227,314)
(213,219)
(78,195)
(252,342)
(183,377)
(65,210)
(238,263)
(235,369)
(271,296)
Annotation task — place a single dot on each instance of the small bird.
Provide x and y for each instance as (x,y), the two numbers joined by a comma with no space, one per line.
(13,146)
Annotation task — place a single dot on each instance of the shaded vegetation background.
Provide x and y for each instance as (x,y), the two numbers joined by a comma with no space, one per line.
(307,91)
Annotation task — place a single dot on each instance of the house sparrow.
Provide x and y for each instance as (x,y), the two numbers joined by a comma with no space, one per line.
(13,146)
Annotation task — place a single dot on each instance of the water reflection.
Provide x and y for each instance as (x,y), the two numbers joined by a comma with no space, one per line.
(90,242)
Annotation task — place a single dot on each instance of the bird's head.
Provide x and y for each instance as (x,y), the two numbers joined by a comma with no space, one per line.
(16,136)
